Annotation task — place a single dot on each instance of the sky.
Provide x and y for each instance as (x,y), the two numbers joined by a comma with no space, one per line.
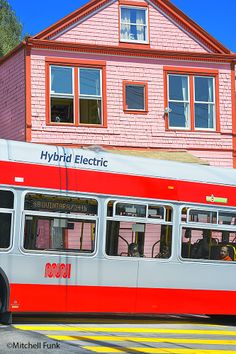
(217,17)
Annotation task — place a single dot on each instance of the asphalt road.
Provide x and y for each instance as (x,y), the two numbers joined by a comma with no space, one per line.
(162,334)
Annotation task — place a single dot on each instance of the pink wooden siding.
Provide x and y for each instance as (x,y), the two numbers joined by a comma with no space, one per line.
(103,28)
(12,97)
(151,239)
(81,236)
(134,130)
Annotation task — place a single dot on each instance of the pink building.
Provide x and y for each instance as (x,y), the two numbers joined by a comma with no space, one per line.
(125,74)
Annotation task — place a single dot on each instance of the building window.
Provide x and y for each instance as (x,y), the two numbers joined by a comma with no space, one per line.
(208,234)
(76,94)
(90,96)
(179,101)
(138,230)
(133,24)
(60,223)
(62,95)
(191,102)
(204,102)
(135,97)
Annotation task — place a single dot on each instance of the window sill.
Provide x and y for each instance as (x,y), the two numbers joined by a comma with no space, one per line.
(138,45)
(60,124)
(192,130)
(129,111)
(91,125)
(52,124)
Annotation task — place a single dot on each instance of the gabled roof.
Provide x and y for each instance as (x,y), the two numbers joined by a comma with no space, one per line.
(165,5)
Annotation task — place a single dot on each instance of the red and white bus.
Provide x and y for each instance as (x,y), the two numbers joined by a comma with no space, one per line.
(70,217)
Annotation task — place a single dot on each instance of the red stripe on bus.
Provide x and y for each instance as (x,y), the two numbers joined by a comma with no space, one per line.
(101,299)
(88,181)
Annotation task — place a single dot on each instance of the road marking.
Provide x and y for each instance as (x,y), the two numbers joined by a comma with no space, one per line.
(144,339)
(70,328)
(157,350)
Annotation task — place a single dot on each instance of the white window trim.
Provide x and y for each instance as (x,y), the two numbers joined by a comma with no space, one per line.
(62,95)
(92,97)
(55,94)
(203,102)
(146,26)
(188,126)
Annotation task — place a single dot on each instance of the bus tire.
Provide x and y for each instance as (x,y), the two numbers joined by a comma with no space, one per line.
(5,315)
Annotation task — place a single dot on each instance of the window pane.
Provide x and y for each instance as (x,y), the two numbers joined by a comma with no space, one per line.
(204,89)
(178,117)
(134,210)
(203,216)
(227,218)
(156,212)
(60,204)
(61,80)
(6,199)
(90,111)
(62,110)
(60,234)
(133,32)
(134,16)
(208,244)
(130,239)
(133,24)
(178,87)
(135,97)
(204,115)
(5,230)
(90,82)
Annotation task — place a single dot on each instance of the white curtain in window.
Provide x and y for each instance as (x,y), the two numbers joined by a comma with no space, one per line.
(184,83)
(125,23)
(140,21)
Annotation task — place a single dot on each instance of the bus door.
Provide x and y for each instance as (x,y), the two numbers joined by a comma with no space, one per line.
(156,272)
(120,268)
(6,229)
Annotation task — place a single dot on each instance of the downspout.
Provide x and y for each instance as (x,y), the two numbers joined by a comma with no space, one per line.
(28,109)
(233,96)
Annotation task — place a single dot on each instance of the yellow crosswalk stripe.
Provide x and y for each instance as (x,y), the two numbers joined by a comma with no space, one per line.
(144,339)
(70,328)
(156,350)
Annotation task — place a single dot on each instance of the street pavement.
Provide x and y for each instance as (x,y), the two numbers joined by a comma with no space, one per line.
(162,334)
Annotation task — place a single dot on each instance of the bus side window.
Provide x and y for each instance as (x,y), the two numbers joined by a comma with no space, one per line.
(5,230)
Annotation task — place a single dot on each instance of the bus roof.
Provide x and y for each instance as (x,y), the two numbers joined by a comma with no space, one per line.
(98,159)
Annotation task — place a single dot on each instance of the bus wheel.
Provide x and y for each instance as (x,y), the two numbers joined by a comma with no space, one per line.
(6,318)
(5,315)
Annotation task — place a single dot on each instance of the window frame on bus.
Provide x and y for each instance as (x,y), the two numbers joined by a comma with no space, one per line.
(216,227)
(12,213)
(60,215)
(138,220)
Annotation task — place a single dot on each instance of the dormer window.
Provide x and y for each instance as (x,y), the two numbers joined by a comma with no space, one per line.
(133,24)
